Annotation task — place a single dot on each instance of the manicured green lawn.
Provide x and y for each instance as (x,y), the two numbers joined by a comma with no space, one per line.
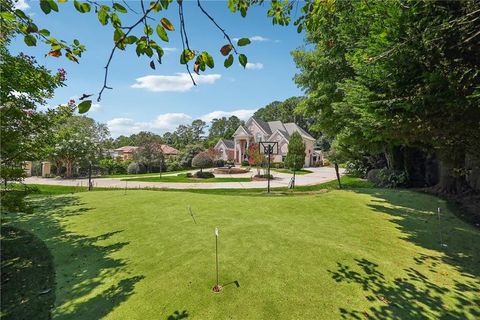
(354,254)
(288,171)
(183,178)
(137,175)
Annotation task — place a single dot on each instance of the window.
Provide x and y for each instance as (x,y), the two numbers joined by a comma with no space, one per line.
(258,137)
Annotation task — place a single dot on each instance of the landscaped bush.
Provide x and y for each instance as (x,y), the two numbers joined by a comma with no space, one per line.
(14,201)
(219,163)
(373,177)
(387,178)
(326,162)
(262,176)
(229,163)
(277,165)
(203,175)
(245,163)
(136,168)
(356,168)
(174,166)
(202,161)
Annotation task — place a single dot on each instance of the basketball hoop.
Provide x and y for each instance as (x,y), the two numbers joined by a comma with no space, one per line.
(268,147)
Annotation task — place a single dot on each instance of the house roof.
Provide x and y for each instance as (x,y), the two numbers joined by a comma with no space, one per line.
(126,149)
(286,129)
(166,149)
(292,127)
(230,144)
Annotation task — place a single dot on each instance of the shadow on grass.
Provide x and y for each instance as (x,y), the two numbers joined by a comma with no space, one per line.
(411,297)
(178,315)
(28,276)
(418,296)
(416,216)
(83,266)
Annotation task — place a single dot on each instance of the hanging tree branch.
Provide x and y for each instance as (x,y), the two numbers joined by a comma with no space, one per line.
(184,37)
(225,35)
(129,29)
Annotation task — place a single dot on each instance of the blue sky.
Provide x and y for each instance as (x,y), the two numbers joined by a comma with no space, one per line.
(159,100)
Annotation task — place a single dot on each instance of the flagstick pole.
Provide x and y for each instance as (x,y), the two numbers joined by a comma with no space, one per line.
(217,287)
(216,256)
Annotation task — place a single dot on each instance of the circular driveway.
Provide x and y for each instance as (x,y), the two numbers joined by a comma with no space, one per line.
(319,175)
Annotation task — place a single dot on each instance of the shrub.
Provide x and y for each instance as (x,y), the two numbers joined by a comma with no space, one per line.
(219,163)
(189,175)
(203,175)
(387,178)
(174,166)
(278,165)
(14,201)
(245,163)
(356,168)
(373,177)
(326,162)
(136,168)
(230,163)
(202,160)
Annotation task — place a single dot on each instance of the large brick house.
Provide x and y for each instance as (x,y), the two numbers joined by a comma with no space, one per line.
(256,130)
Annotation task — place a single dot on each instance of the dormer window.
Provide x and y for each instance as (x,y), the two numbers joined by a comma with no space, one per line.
(258,137)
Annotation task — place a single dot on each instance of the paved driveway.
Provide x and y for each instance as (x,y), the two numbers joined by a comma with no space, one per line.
(319,175)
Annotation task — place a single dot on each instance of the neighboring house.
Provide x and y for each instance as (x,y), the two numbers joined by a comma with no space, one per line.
(169,151)
(126,153)
(225,149)
(255,131)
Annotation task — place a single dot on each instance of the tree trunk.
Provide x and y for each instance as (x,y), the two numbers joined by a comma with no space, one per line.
(69,167)
(453,175)
(338,176)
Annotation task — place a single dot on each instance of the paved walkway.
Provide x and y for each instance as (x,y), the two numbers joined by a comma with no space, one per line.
(319,175)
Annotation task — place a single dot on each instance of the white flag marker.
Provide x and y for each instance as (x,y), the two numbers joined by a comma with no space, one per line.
(216,231)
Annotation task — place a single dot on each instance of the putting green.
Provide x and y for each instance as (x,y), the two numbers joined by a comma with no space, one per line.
(365,253)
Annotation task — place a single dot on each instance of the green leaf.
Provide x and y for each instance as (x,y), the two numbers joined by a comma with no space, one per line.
(156,7)
(44,32)
(186,56)
(243,60)
(243,42)
(45,6)
(165,3)
(167,24)
(148,30)
(208,59)
(229,61)
(162,33)
(76,42)
(130,39)
(102,16)
(78,6)
(84,106)
(10,16)
(30,40)
(119,7)
(53,5)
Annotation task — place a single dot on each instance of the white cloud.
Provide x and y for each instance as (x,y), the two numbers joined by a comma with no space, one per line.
(255,39)
(242,114)
(22,5)
(180,82)
(169,49)
(162,123)
(95,107)
(254,66)
(169,121)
